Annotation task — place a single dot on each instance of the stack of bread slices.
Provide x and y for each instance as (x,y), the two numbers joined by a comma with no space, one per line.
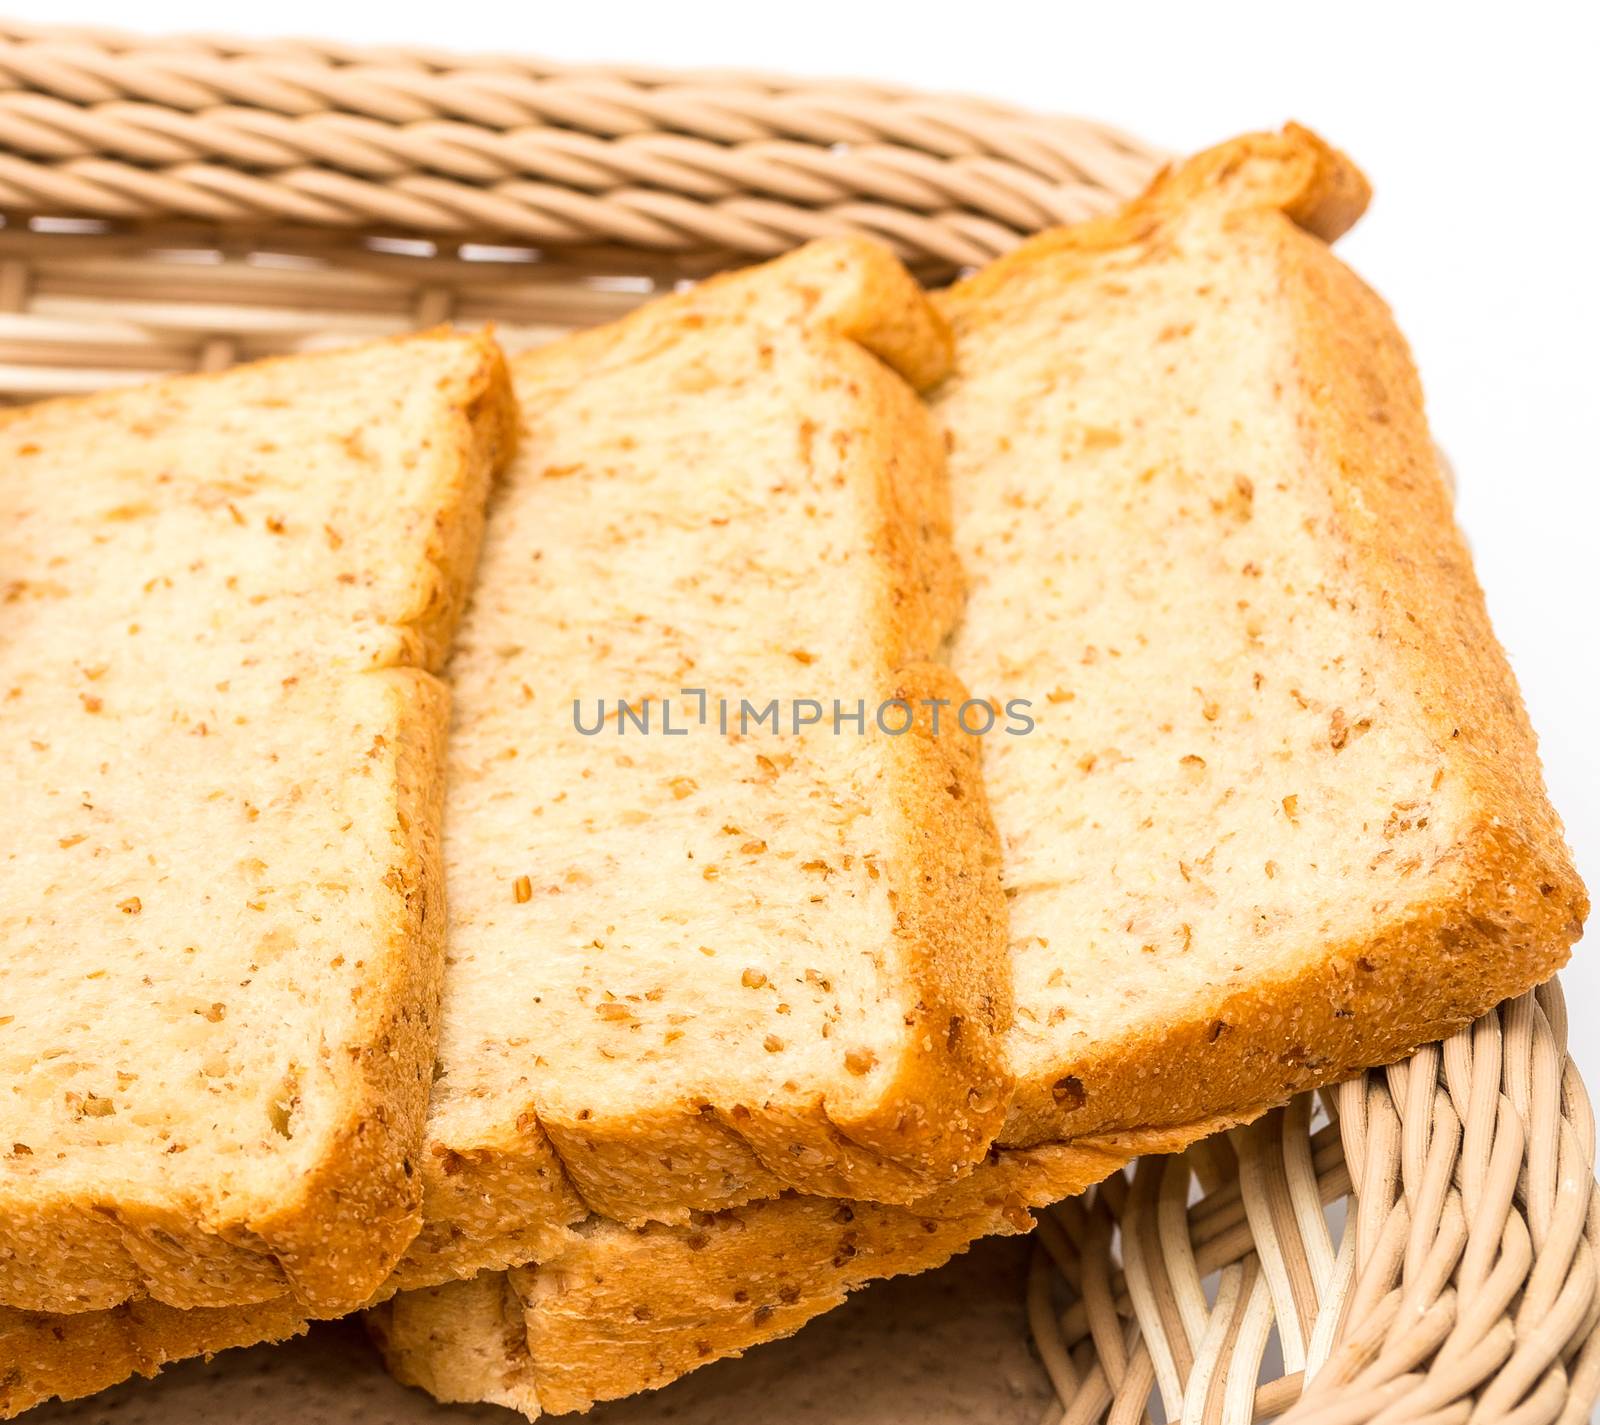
(591,857)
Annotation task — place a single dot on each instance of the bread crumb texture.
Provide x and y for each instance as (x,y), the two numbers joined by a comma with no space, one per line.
(219,881)
(1281,817)
(711,965)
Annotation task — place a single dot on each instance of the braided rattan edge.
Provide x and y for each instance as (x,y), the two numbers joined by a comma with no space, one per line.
(101,125)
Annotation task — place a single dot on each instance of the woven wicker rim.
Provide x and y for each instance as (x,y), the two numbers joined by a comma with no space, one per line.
(99,124)
(183,204)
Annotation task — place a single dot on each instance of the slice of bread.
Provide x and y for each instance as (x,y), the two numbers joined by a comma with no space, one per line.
(1209,538)
(220,893)
(873,1361)
(1280,816)
(692,967)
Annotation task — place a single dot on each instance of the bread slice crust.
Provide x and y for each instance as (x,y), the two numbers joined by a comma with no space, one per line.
(625,1310)
(331,1230)
(846,316)
(46,1356)
(607,1311)
(1505,902)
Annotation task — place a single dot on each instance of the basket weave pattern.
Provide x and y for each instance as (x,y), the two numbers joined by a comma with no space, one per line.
(184,204)
(1463,1289)
(325,136)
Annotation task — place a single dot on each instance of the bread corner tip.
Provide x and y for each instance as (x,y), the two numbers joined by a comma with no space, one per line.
(1315,185)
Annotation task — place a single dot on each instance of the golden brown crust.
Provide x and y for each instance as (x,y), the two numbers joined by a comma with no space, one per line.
(627,1310)
(497,1202)
(43,1357)
(354,1214)
(1293,174)
(872,322)
(1511,904)
(643,1310)
(885,312)
(370,1170)
(951,1091)
(1365,415)
(482,434)
(606,1294)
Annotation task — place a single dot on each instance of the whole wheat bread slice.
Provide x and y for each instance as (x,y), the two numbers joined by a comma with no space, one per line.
(220,890)
(690,971)
(613,1310)
(694,967)
(1281,815)
(872,1361)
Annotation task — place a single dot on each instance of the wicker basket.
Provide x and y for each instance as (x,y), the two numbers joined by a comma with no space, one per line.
(179,205)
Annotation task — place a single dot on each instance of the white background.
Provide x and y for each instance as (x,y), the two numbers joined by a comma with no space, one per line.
(1477,124)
